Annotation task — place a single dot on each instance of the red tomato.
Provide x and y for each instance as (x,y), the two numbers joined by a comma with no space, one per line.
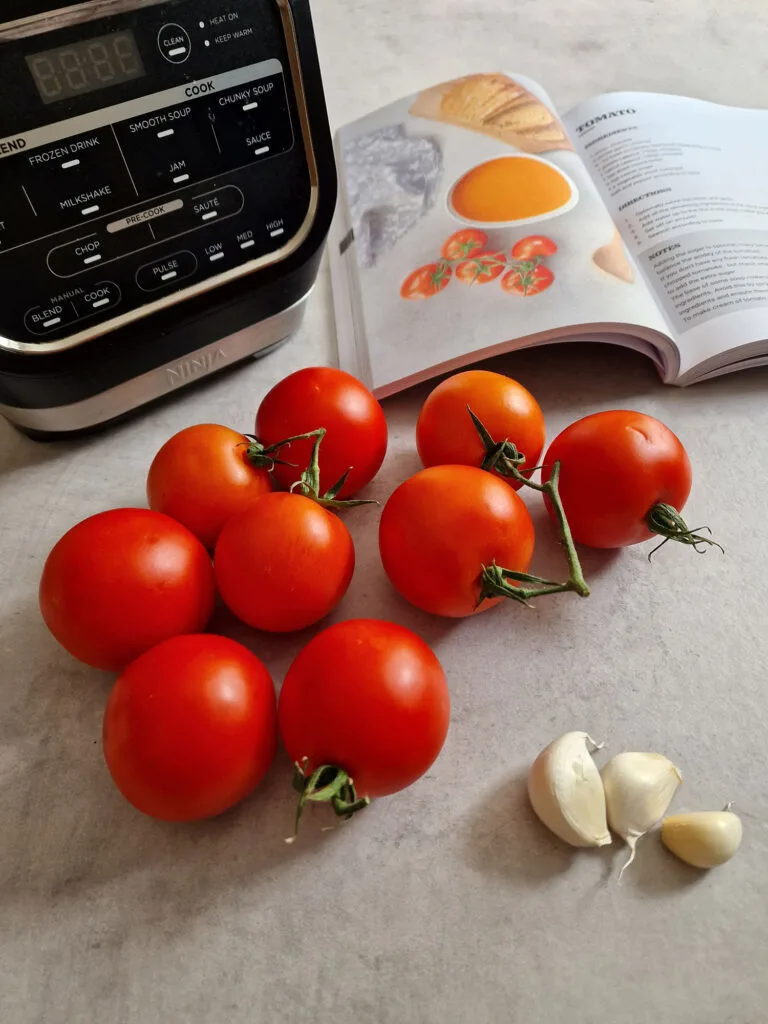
(615,466)
(370,698)
(441,527)
(190,728)
(321,396)
(482,269)
(445,434)
(284,563)
(533,245)
(464,243)
(528,280)
(426,281)
(202,477)
(122,581)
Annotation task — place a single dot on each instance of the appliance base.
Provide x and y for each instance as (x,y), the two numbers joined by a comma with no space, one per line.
(119,401)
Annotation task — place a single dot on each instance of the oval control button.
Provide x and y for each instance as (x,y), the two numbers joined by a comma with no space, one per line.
(174,43)
(99,298)
(166,271)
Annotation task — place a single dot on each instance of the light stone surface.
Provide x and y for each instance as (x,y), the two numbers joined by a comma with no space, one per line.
(447,904)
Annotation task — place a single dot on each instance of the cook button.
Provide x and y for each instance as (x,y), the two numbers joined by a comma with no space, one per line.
(166,272)
(99,298)
(174,43)
(51,317)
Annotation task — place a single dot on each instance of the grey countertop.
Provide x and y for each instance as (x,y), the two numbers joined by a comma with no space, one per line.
(446,904)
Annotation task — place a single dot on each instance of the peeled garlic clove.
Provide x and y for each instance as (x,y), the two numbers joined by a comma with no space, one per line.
(703,839)
(565,791)
(638,790)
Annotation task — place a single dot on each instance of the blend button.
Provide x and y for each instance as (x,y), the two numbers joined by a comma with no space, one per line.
(50,317)
(166,272)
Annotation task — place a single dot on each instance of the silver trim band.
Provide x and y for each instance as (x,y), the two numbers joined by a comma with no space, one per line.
(163,380)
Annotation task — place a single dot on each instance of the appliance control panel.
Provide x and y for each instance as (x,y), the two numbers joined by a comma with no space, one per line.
(144,157)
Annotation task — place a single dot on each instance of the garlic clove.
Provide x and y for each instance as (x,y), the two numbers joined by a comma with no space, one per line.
(703,839)
(638,790)
(566,792)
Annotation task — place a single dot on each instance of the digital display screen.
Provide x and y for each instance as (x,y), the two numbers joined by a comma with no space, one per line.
(86,66)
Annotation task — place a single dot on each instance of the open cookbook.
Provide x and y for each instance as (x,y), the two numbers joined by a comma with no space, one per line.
(473,221)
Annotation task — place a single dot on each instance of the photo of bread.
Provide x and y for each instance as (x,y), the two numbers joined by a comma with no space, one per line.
(612,259)
(495,105)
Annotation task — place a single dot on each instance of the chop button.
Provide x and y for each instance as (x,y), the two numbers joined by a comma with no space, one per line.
(166,271)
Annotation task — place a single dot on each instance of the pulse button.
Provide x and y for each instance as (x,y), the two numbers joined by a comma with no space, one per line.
(166,271)
(174,43)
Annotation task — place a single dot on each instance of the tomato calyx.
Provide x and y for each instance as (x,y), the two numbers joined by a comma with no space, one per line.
(309,483)
(496,581)
(327,784)
(501,457)
(665,521)
(266,456)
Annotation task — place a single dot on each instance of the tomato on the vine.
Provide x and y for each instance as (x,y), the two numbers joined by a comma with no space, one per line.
(464,243)
(122,581)
(439,530)
(615,468)
(354,422)
(482,269)
(190,727)
(368,699)
(426,281)
(528,279)
(203,476)
(445,433)
(533,245)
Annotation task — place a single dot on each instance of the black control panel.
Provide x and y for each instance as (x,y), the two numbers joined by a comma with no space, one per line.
(142,155)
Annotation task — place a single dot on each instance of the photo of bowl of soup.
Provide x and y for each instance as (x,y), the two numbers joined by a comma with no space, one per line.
(511,190)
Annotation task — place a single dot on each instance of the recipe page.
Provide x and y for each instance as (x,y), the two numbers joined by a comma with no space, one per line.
(686,182)
(471,223)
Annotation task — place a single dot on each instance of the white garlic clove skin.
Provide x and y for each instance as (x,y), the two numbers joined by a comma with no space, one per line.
(703,839)
(638,791)
(566,792)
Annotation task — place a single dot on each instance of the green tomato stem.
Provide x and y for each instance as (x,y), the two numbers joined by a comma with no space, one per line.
(327,784)
(665,521)
(504,458)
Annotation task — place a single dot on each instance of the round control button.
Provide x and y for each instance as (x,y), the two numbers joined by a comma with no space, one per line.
(174,43)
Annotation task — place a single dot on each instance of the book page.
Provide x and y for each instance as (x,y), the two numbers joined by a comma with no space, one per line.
(686,182)
(468,222)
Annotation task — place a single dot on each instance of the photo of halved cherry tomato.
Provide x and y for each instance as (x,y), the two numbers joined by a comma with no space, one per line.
(284,563)
(122,581)
(446,435)
(481,269)
(202,476)
(532,246)
(354,423)
(442,526)
(190,728)
(528,278)
(426,281)
(462,244)
(614,468)
(367,698)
